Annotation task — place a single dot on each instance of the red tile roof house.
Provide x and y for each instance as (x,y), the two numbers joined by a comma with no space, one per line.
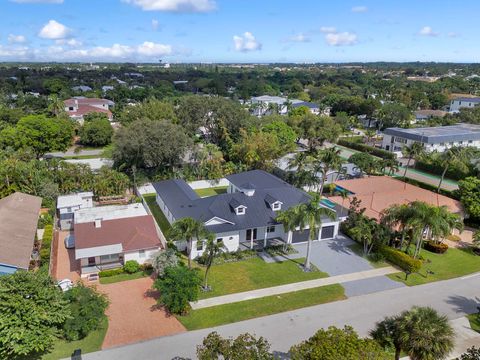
(105,244)
(377,193)
(77,107)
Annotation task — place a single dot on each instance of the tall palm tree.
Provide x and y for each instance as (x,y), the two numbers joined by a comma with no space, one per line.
(398,216)
(289,219)
(310,216)
(188,229)
(411,152)
(212,250)
(449,157)
(326,160)
(56,106)
(390,164)
(421,332)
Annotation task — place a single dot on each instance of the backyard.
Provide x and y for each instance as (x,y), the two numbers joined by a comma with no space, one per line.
(229,313)
(211,191)
(157,214)
(454,263)
(255,273)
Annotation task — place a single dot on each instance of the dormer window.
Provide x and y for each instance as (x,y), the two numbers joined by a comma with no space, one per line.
(276,206)
(240,210)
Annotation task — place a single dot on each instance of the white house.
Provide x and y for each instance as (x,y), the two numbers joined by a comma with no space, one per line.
(244,217)
(267,105)
(68,204)
(433,138)
(79,106)
(464,102)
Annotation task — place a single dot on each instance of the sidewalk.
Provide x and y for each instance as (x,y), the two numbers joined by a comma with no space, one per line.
(282,289)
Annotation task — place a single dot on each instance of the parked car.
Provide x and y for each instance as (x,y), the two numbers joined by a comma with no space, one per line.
(65,284)
(70,242)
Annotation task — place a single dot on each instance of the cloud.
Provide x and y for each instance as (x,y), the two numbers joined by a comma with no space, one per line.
(22,52)
(38,1)
(181,6)
(149,48)
(341,39)
(328,29)
(453,34)
(16,39)
(247,42)
(155,24)
(359,9)
(70,42)
(427,31)
(300,37)
(54,30)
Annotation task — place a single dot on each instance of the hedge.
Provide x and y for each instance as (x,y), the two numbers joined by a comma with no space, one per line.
(46,242)
(402,260)
(111,272)
(450,194)
(367,149)
(437,248)
(452,173)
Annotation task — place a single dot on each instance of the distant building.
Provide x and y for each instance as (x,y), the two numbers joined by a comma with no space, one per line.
(314,108)
(422,115)
(68,204)
(463,102)
(433,138)
(78,107)
(82,88)
(267,105)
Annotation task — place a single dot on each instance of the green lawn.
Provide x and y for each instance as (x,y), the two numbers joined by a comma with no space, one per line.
(474,320)
(249,309)
(78,157)
(157,214)
(358,249)
(211,191)
(123,277)
(254,274)
(92,342)
(454,263)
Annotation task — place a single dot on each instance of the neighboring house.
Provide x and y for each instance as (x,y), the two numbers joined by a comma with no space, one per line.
(244,217)
(82,88)
(433,138)
(18,227)
(94,164)
(422,115)
(378,193)
(108,236)
(267,105)
(68,204)
(463,102)
(78,107)
(314,108)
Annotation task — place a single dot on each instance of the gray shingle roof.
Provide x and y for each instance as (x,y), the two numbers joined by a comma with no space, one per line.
(435,135)
(258,212)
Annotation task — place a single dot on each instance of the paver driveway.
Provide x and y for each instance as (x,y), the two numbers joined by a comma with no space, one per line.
(336,258)
(133,314)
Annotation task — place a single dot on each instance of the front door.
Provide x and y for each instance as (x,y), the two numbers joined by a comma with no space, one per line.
(91,261)
(252,234)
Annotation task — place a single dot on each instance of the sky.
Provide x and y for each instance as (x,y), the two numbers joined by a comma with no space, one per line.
(239,31)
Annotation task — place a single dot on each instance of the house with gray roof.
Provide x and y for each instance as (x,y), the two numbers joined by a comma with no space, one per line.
(463,102)
(244,216)
(437,138)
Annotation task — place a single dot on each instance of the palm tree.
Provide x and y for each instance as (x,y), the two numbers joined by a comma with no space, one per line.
(398,216)
(310,216)
(421,332)
(212,250)
(390,164)
(56,106)
(449,157)
(187,229)
(326,160)
(288,219)
(412,152)
(344,195)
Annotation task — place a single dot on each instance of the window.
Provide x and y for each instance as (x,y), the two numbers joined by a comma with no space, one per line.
(71,108)
(470,141)
(220,241)
(276,206)
(109,258)
(240,210)
(271,229)
(199,245)
(141,254)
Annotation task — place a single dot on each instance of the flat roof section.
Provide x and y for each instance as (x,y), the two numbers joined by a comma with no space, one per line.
(440,134)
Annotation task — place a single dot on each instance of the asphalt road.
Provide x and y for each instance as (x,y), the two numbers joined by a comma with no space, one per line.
(455,298)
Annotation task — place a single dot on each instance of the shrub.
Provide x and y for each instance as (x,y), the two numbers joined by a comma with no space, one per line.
(87,309)
(376,257)
(178,287)
(275,250)
(111,272)
(402,260)
(45,254)
(367,149)
(454,238)
(131,266)
(44,220)
(438,248)
(163,260)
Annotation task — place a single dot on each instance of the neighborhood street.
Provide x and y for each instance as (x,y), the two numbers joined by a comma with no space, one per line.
(454,298)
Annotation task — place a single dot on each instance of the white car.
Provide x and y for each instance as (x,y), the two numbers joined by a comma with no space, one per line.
(69,242)
(65,284)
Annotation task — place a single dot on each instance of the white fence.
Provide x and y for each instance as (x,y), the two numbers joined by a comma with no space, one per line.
(202,184)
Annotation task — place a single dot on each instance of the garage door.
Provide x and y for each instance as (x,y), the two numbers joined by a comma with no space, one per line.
(327,232)
(300,236)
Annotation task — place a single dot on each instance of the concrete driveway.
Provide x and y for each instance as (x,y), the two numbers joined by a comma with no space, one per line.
(336,258)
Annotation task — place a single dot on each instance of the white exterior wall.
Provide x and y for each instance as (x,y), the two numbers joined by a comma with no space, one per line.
(165,209)
(202,184)
(456,105)
(230,241)
(135,255)
(400,142)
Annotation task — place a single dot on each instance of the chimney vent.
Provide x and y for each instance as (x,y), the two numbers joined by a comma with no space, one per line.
(98,223)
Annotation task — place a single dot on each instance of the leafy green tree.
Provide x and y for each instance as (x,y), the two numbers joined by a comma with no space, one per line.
(338,344)
(315,129)
(149,144)
(286,136)
(178,287)
(420,332)
(469,192)
(449,157)
(87,308)
(188,229)
(163,260)
(213,248)
(96,130)
(32,312)
(366,163)
(245,346)
(151,109)
(257,150)
(394,115)
(109,182)
(39,133)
